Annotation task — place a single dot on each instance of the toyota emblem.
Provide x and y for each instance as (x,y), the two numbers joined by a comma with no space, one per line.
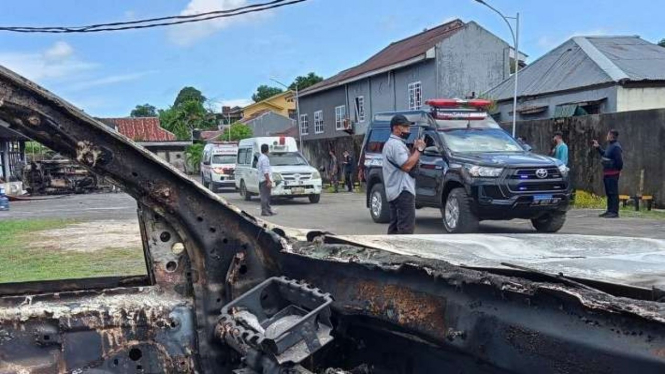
(541,173)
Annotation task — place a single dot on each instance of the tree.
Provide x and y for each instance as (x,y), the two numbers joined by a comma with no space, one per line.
(185,117)
(194,155)
(305,81)
(189,94)
(239,131)
(661,43)
(145,110)
(263,92)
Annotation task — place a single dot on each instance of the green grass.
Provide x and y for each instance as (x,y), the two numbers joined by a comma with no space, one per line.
(21,263)
(586,200)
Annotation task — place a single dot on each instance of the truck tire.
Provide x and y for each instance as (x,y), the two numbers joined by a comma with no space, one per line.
(243,191)
(378,204)
(458,217)
(203,180)
(549,223)
(314,198)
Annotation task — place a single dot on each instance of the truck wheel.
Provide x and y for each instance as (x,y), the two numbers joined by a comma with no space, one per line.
(549,223)
(243,191)
(457,214)
(378,204)
(314,199)
(203,180)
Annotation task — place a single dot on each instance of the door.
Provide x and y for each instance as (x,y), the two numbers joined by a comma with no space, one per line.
(252,160)
(430,173)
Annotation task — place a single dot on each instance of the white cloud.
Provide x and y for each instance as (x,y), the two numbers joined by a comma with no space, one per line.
(217,105)
(113,79)
(56,62)
(188,34)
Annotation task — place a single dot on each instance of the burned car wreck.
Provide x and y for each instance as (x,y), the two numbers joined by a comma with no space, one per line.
(228,293)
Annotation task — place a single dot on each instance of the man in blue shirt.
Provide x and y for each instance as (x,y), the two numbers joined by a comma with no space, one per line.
(612,160)
(561,148)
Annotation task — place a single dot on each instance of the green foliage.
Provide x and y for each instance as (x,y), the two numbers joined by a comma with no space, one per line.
(32,147)
(187,116)
(189,94)
(305,81)
(194,155)
(145,110)
(239,131)
(587,200)
(661,43)
(263,92)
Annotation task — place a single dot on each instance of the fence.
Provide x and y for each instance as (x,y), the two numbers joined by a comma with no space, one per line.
(642,137)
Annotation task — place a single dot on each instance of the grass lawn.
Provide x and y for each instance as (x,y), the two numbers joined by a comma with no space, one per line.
(20,261)
(586,200)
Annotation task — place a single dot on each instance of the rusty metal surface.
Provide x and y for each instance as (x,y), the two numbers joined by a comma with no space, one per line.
(392,313)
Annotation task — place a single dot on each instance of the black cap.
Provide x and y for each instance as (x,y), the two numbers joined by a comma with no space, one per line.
(399,120)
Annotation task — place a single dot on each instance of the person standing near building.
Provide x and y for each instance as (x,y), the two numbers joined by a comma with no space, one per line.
(333,171)
(399,184)
(265,183)
(348,170)
(560,148)
(612,160)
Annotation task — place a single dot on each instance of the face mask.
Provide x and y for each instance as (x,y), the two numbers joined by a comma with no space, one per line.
(405,135)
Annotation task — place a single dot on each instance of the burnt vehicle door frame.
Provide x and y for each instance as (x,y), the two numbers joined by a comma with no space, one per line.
(451,317)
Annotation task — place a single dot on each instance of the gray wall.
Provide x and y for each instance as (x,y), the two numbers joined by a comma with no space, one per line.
(326,101)
(269,124)
(355,89)
(425,72)
(472,60)
(608,106)
(642,135)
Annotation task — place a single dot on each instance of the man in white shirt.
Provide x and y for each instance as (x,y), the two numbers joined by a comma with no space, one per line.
(265,183)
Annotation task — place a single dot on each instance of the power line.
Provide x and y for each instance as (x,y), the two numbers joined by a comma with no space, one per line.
(154,22)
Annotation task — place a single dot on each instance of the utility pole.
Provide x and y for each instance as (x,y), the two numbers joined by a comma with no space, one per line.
(516,39)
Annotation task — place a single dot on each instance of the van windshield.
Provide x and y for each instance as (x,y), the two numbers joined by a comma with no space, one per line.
(286,159)
(224,159)
(479,140)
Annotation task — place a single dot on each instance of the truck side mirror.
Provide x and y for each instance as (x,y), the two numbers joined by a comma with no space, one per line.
(432,151)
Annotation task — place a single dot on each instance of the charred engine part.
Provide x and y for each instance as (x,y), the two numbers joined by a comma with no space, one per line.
(277,324)
(61,176)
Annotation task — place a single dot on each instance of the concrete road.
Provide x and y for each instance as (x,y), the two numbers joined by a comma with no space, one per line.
(342,213)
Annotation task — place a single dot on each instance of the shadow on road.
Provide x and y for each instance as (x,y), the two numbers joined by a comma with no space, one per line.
(507,227)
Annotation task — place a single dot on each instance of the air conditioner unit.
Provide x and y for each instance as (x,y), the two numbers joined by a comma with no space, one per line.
(348,126)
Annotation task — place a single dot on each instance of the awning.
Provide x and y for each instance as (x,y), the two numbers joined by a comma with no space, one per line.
(574,109)
(532,109)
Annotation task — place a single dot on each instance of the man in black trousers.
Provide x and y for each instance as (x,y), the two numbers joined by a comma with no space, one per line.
(612,160)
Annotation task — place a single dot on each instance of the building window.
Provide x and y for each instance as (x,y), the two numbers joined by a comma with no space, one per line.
(340,116)
(360,108)
(415,96)
(318,122)
(304,124)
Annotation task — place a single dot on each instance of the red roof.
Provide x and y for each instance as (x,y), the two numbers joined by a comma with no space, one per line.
(141,129)
(396,52)
(210,134)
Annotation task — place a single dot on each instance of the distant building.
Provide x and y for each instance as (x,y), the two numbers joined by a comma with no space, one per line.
(147,132)
(456,59)
(268,123)
(587,75)
(12,159)
(282,104)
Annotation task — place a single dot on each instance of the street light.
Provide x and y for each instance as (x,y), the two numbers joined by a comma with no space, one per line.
(297,111)
(516,36)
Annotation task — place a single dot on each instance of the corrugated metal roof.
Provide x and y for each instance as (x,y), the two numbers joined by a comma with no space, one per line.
(395,53)
(587,61)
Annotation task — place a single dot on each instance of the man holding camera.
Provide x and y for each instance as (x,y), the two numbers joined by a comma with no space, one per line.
(612,160)
(399,169)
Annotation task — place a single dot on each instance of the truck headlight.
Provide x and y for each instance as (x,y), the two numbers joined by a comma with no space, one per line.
(564,170)
(484,171)
(277,177)
(316,175)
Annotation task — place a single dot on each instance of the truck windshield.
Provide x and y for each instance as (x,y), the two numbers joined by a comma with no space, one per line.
(224,159)
(479,140)
(286,159)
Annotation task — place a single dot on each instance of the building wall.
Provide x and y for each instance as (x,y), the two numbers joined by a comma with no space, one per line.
(269,124)
(355,89)
(325,101)
(425,73)
(279,101)
(640,98)
(505,107)
(472,60)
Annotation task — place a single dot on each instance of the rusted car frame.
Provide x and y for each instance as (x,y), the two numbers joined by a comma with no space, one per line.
(391,313)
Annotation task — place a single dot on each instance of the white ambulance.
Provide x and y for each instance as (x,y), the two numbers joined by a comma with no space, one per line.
(292,175)
(218,165)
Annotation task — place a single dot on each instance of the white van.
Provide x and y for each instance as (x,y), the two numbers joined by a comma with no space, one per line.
(218,165)
(292,175)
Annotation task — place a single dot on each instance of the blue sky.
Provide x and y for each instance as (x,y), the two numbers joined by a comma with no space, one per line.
(107,74)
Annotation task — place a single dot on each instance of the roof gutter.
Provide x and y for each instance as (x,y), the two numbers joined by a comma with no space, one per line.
(430,54)
(609,67)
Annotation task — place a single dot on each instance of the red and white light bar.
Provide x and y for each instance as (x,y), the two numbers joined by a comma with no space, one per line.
(458,103)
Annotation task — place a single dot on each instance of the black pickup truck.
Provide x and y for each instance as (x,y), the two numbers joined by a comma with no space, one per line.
(471,169)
